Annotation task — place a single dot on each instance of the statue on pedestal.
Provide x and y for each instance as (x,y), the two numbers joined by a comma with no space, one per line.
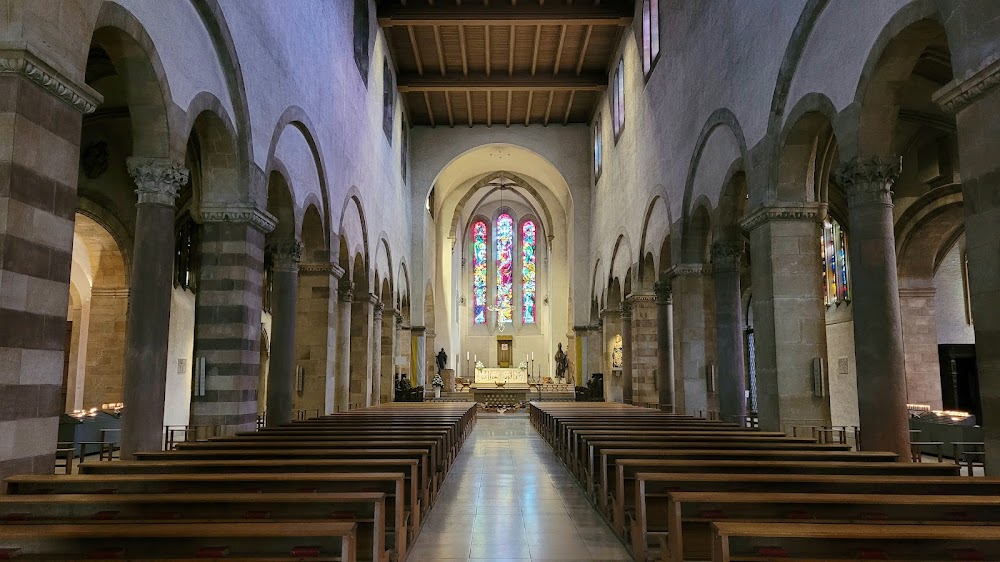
(442,360)
(562,363)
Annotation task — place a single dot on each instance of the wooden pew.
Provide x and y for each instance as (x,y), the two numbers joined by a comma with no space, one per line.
(367,509)
(625,470)
(690,514)
(752,542)
(113,485)
(319,540)
(653,490)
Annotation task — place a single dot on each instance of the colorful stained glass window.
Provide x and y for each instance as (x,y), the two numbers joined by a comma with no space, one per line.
(505,267)
(479,272)
(836,269)
(528,272)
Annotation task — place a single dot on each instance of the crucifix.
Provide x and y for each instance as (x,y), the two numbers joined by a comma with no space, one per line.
(499,310)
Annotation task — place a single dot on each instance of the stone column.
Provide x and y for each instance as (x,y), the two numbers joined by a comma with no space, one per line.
(148,325)
(361,349)
(581,372)
(975,101)
(41,113)
(376,346)
(665,345)
(694,337)
(227,316)
(341,392)
(878,335)
(417,358)
(316,335)
(920,345)
(644,343)
(627,390)
(388,359)
(611,322)
(399,347)
(285,254)
(726,261)
(789,315)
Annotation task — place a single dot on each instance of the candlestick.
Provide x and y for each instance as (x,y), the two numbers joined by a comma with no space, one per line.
(466,355)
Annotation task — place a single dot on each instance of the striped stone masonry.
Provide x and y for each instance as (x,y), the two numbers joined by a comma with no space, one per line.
(39,161)
(644,351)
(316,335)
(227,328)
(360,386)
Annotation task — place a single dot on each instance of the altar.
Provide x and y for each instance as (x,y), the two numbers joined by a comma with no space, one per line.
(500,387)
(492,376)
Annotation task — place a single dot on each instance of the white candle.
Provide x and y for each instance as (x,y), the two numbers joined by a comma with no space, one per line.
(466,355)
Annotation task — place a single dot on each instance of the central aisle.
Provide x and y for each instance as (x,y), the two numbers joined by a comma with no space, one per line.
(509,498)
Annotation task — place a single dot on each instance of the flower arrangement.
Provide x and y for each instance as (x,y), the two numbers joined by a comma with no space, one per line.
(437,381)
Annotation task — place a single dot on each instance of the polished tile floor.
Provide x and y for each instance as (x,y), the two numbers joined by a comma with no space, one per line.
(509,498)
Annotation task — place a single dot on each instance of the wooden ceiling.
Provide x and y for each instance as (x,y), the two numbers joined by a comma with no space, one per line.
(502,62)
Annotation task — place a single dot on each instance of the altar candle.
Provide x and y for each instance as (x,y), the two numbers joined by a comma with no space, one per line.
(466,355)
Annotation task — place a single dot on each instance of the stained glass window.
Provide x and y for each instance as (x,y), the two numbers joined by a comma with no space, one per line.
(618,99)
(836,269)
(650,34)
(528,272)
(479,272)
(598,148)
(617,353)
(505,266)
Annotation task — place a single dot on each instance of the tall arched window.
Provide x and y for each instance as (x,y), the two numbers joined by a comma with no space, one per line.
(505,266)
(650,34)
(528,272)
(479,272)
(836,269)
(361,36)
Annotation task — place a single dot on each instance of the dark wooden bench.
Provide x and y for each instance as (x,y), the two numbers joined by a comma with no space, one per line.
(317,540)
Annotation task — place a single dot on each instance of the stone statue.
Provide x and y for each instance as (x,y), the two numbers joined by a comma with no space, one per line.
(562,363)
(442,360)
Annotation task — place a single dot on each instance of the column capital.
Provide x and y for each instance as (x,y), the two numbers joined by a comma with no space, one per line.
(627,310)
(640,299)
(399,319)
(608,311)
(377,308)
(418,330)
(582,329)
(345,291)
(727,256)
(286,253)
(688,269)
(664,292)
(959,94)
(808,212)
(21,61)
(868,179)
(330,269)
(238,213)
(157,180)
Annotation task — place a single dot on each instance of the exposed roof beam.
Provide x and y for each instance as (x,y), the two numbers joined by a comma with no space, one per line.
(451,113)
(468,105)
(510,98)
(416,49)
(465,52)
(583,49)
(527,114)
(519,82)
(569,107)
(489,109)
(430,112)
(559,49)
(440,50)
(488,63)
(510,55)
(617,14)
(534,50)
(548,109)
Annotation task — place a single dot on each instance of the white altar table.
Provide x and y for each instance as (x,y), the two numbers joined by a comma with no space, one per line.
(499,374)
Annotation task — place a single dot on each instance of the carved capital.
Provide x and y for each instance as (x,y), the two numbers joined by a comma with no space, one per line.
(79,96)
(641,299)
(664,292)
(727,256)
(868,180)
(377,309)
(330,269)
(807,212)
(688,269)
(157,180)
(418,331)
(238,213)
(399,319)
(627,311)
(959,94)
(286,253)
(345,291)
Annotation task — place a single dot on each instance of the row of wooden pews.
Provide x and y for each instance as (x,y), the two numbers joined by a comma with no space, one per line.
(350,486)
(677,487)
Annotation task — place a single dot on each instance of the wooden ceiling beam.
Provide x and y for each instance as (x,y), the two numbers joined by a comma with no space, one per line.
(617,14)
(510,54)
(583,49)
(548,109)
(440,50)
(559,49)
(488,63)
(451,113)
(464,50)
(534,50)
(489,109)
(527,114)
(468,105)
(569,107)
(510,98)
(430,112)
(416,49)
(519,82)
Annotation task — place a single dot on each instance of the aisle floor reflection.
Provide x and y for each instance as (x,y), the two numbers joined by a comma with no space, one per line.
(509,498)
